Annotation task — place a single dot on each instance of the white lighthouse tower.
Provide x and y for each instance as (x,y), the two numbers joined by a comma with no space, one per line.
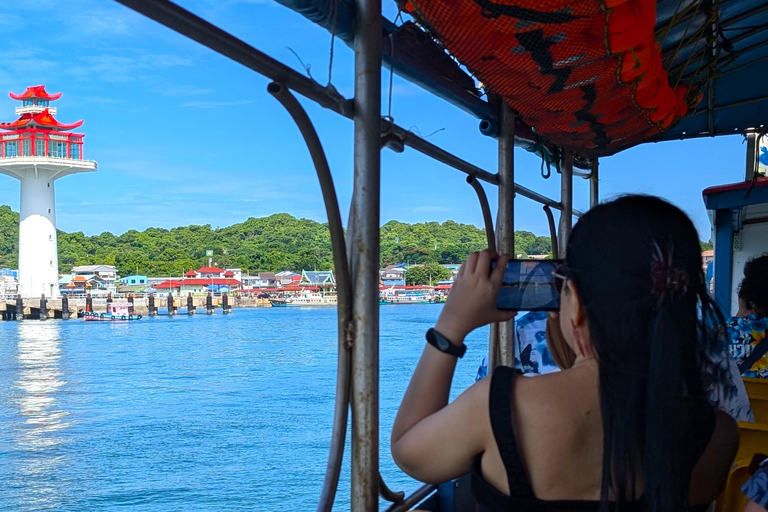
(37,150)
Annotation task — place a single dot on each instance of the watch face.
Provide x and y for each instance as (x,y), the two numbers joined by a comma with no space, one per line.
(443,343)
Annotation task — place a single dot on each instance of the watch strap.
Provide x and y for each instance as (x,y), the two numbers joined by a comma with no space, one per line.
(443,344)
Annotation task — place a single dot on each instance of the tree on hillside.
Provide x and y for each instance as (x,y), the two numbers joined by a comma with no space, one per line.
(429,273)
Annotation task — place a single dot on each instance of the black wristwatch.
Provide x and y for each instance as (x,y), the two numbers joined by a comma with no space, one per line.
(442,344)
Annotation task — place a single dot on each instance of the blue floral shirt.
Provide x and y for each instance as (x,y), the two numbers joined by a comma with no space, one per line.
(745,333)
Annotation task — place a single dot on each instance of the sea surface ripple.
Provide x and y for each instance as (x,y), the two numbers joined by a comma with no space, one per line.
(182,413)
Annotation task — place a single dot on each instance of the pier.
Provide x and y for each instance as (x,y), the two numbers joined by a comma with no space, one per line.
(65,308)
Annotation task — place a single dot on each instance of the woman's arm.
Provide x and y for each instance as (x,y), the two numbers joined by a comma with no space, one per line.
(431,440)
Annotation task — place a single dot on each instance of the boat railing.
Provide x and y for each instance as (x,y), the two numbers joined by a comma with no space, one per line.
(358,364)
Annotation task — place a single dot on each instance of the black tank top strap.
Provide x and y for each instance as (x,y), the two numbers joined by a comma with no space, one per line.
(500,408)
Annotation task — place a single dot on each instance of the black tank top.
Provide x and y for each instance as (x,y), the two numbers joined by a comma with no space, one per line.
(521,497)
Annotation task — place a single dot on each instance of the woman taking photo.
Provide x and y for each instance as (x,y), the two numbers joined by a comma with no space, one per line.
(627,426)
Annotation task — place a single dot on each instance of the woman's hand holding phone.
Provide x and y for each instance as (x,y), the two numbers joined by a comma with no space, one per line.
(472,300)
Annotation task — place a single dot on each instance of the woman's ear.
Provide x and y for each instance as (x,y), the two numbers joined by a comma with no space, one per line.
(579,313)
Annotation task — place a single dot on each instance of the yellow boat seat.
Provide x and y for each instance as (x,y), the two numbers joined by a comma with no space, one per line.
(732,499)
(757,389)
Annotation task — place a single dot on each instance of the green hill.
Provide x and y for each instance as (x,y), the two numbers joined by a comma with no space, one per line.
(274,243)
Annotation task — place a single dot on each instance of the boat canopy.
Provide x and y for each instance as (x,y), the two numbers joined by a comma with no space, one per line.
(591,76)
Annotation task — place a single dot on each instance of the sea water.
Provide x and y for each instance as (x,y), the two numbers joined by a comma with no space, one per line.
(190,413)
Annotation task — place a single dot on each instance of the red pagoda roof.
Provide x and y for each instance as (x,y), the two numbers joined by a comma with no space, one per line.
(36,91)
(44,119)
(191,273)
(229,273)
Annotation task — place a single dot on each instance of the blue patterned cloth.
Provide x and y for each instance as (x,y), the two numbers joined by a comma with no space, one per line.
(756,487)
(746,333)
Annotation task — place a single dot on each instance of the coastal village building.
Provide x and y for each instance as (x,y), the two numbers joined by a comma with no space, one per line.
(319,278)
(89,278)
(132,284)
(36,149)
(202,280)
(8,281)
(393,275)
(288,278)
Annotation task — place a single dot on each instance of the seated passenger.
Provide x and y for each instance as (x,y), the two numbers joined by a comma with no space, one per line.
(628,422)
(749,344)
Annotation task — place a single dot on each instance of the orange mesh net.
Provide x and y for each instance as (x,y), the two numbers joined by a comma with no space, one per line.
(585,74)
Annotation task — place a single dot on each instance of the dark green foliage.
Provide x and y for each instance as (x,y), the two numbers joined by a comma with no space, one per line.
(9,237)
(274,243)
(429,273)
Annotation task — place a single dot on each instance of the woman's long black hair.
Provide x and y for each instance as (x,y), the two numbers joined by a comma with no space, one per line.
(636,264)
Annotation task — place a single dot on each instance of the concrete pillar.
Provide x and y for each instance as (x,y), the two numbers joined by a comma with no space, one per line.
(152,308)
(226,308)
(19,307)
(209,304)
(190,304)
(171,308)
(43,308)
(64,307)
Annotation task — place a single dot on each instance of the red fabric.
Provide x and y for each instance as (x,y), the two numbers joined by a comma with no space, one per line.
(585,74)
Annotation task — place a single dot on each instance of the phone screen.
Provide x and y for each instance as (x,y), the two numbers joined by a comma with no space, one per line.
(529,285)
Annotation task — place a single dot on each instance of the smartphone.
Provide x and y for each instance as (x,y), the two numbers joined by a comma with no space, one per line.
(529,285)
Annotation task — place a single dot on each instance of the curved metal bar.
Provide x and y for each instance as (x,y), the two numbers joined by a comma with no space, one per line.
(343,287)
(487,218)
(388,494)
(413,499)
(552,232)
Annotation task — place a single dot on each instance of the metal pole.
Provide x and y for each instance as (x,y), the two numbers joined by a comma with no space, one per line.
(365,242)
(566,200)
(752,154)
(594,197)
(506,219)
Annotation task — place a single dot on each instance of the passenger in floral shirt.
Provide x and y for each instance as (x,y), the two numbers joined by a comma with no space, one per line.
(750,325)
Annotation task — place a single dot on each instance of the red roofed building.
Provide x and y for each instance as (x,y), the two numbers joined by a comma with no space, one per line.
(210,272)
(198,285)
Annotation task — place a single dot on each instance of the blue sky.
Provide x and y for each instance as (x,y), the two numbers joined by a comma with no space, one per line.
(182,135)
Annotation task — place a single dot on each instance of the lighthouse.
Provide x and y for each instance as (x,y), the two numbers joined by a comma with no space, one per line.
(37,150)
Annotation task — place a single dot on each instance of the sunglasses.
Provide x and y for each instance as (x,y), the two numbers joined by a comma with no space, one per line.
(559,277)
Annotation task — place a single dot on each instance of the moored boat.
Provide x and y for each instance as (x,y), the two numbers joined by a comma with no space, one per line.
(419,296)
(116,312)
(305,298)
